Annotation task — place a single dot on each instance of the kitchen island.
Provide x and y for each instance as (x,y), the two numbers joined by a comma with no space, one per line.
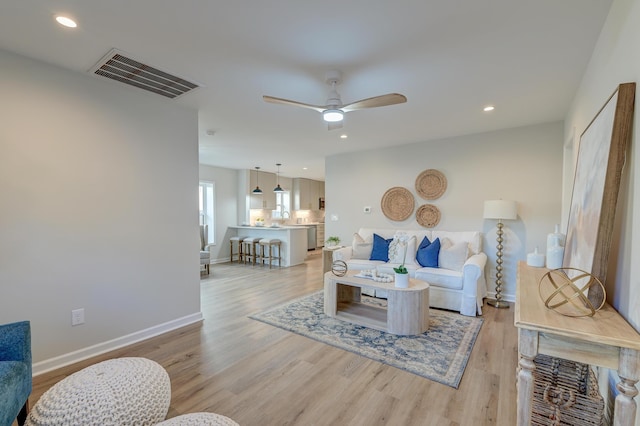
(293,238)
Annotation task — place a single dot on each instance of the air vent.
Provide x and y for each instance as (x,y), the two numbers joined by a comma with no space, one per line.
(117,66)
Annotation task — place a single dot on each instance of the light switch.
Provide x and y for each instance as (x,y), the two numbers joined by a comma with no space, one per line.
(367,209)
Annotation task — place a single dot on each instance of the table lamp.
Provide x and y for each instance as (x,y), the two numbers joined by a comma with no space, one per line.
(500,210)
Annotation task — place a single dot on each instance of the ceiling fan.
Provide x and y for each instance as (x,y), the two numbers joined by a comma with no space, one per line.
(333,112)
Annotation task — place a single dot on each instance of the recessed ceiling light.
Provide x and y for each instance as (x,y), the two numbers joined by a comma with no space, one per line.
(304,168)
(67,22)
(343,136)
(489,108)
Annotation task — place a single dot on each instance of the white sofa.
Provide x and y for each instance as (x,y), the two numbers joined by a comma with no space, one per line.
(461,288)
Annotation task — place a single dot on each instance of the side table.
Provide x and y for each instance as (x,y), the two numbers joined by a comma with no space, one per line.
(327,257)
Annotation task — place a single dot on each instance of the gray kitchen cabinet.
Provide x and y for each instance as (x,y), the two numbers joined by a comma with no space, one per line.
(307,194)
(266,181)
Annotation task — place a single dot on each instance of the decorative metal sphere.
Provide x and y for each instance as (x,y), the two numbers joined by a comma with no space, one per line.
(339,268)
(564,290)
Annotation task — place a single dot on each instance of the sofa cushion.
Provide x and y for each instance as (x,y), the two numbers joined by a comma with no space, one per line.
(453,255)
(440,277)
(473,238)
(402,249)
(361,247)
(380,249)
(361,264)
(387,268)
(428,251)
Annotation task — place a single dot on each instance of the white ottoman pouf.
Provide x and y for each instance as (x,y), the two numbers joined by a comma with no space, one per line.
(199,419)
(121,391)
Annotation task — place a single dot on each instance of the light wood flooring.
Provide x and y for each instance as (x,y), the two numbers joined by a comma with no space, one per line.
(260,375)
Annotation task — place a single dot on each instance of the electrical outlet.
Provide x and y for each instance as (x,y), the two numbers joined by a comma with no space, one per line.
(77,316)
(367,209)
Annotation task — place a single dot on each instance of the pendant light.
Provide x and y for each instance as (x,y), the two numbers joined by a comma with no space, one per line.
(278,188)
(257,191)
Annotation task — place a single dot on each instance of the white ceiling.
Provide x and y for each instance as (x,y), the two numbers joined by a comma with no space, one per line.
(450,58)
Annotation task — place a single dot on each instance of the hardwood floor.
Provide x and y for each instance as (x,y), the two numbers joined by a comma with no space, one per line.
(260,375)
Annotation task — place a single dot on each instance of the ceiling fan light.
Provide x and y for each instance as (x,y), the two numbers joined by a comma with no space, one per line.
(332,115)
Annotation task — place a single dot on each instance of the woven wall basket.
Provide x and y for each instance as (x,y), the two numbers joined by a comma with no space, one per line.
(397,203)
(428,215)
(431,184)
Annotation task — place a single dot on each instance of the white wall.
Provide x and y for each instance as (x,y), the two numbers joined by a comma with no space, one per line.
(98,184)
(226,206)
(523,164)
(616,60)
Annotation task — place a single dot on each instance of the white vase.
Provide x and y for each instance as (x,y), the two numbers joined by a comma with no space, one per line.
(555,249)
(554,256)
(555,236)
(402,280)
(535,259)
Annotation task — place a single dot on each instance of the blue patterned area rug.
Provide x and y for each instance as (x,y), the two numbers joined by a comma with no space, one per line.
(440,354)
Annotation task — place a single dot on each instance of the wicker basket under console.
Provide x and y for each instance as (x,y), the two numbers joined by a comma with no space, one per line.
(565,393)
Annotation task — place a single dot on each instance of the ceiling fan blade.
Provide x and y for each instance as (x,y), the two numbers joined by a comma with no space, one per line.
(281,101)
(376,101)
(334,125)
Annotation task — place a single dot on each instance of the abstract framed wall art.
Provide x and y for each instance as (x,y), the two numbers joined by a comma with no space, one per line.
(601,157)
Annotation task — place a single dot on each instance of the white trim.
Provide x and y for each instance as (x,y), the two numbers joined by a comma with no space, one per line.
(505,296)
(110,345)
(211,238)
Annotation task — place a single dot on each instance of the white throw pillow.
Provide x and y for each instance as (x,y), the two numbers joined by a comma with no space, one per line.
(397,252)
(361,248)
(452,256)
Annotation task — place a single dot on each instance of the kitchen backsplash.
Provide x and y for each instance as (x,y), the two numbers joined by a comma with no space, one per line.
(297,217)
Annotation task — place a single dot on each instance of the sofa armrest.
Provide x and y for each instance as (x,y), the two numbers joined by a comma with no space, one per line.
(343,253)
(474,287)
(15,371)
(476,263)
(15,342)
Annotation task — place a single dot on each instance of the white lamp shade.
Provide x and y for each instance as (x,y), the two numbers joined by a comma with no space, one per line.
(500,209)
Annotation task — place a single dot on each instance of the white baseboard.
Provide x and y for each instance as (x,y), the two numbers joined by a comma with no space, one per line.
(505,297)
(110,345)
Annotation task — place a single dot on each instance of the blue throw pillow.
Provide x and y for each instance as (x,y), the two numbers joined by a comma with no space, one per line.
(428,251)
(380,249)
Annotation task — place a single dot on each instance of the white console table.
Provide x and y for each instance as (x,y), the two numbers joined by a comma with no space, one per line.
(605,340)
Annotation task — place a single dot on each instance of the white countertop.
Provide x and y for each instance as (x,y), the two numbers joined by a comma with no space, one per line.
(269,228)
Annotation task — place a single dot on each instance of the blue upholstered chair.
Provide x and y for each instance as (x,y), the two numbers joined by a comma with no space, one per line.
(15,372)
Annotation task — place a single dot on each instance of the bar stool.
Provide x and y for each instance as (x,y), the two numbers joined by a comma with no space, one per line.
(231,253)
(250,249)
(269,244)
